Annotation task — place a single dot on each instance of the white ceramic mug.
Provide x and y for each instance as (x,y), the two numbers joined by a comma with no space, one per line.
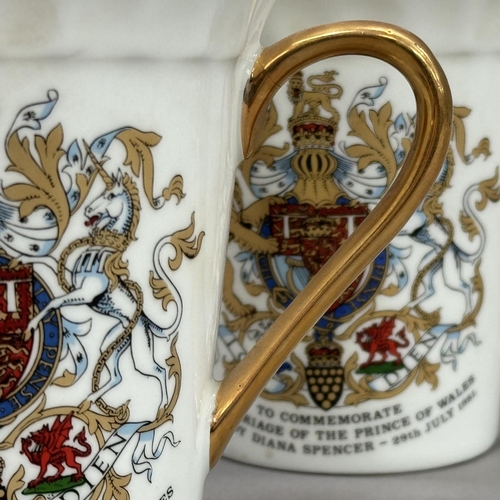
(120,123)
(402,373)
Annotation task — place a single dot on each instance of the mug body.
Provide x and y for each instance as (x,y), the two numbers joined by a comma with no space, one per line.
(120,140)
(402,372)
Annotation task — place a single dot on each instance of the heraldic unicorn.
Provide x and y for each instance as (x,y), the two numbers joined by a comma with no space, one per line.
(43,188)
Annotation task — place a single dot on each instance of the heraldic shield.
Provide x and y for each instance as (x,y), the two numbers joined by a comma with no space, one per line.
(315,234)
(307,237)
(325,374)
(27,365)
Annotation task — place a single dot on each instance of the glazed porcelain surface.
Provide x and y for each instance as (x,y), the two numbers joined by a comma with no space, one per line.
(402,373)
(121,135)
(121,119)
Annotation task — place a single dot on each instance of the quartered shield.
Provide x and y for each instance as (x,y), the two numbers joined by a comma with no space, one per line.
(27,361)
(315,234)
(307,237)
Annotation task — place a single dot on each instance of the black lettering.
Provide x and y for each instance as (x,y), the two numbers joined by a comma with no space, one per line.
(294,418)
(387,427)
(117,441)
(331,435)
(428,340)
(240,430)
(257,438)
(416,355)
(337,449)
(101,467)
(446,400)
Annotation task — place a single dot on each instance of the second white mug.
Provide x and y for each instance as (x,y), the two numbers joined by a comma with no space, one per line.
(402,372)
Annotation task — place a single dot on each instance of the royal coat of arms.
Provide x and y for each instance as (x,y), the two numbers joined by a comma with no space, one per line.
(295,203)
(64,416)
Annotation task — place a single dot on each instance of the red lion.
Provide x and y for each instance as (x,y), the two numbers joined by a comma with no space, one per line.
(51,450)
(376,339)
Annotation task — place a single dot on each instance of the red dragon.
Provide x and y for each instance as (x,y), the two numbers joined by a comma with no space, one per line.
(376,339)
(50,450)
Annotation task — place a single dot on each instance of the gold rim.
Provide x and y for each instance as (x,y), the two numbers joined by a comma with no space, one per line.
(274,66)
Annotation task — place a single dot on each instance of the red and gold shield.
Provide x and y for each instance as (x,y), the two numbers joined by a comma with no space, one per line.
(315,234)
(16,310)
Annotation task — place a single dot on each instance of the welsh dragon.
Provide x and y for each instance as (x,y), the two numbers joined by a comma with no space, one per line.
(50,449)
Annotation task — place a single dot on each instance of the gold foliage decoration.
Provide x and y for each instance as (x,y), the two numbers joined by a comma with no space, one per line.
(96,422)
(427,372)
(292,386)
(459,135)
(97,490)
(361,391)
(165,414)
(414,323)
(161,291)
(458,129)
(16,483)
(468,225)
(115,488)
(175,188)
(185,244)
(490,191)
(390,290)
(483,148)
(139,157)
(84,184)
(377,147)
(44,187)
(264,153)
(65,380)
(478,288)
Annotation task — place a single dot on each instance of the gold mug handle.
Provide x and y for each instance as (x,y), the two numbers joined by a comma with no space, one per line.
(274,66)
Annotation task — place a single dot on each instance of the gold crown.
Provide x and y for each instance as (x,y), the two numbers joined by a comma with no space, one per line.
(324,353)
(309,125)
